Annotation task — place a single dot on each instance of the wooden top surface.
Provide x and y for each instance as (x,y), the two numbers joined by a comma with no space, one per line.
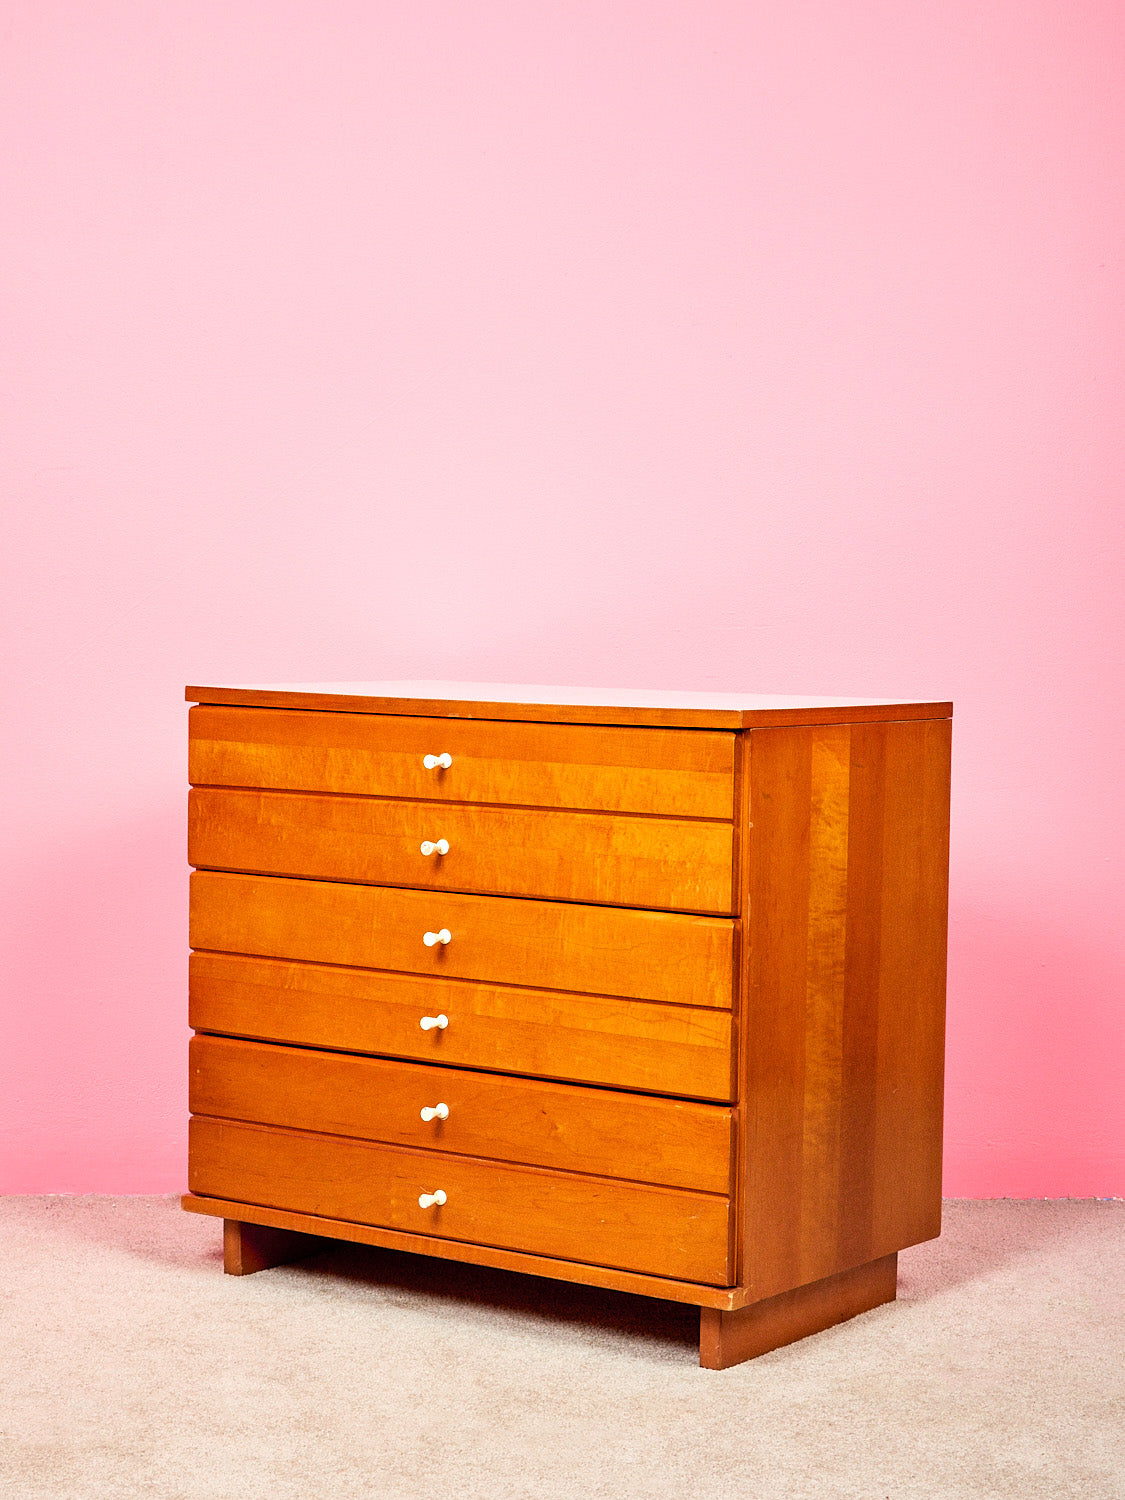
(566,705)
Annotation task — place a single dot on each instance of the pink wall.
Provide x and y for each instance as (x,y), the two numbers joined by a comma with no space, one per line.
(756,346)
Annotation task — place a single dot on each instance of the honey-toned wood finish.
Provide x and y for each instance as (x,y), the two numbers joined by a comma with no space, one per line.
(729,1338)
(248,1248)
(695,1293)
(693,997)
(473,701)
(664,1231)
(628,1044)
(844,979)
(565,856)
(599,950)
(673,773)
(667,1141)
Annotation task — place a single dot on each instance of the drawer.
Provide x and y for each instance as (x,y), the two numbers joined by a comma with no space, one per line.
(669,1141)
(600,950)
(601,1221)
(677,864)
(673,772)
(626,1044)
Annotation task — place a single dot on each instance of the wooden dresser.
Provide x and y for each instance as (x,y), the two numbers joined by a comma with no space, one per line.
(644,990)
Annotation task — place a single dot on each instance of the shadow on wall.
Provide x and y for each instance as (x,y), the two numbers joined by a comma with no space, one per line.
(94,1063)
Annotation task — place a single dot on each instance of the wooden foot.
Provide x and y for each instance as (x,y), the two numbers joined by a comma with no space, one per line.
(256,1247)
(729,1338)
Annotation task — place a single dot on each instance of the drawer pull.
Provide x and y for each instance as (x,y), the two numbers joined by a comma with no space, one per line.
(428,1200)
(437,762)
(441,847)
(438,1112)
(431,938)
(428,1023)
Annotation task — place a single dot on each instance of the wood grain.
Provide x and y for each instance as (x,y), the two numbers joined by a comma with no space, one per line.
(731,1338)
(674,773)
(913,854)
(596,1131)
(631,1044)
(844,985)
(831,1061)
(694,1293)
(256,1247)
(674,864)
(663,1231)
(669,710)
(547,944)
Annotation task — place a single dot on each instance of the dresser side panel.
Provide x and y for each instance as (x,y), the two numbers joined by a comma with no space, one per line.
(914,917)
(843,997)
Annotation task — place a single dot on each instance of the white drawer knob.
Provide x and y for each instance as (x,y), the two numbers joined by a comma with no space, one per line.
(428,1023)
(439,1112)
(441,847)
(428,1200)
(431,938)
(437,762)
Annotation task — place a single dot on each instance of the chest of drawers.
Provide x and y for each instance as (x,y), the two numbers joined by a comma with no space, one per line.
(639,990)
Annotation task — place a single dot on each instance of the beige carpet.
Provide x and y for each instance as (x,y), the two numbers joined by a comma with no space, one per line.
(134,1368)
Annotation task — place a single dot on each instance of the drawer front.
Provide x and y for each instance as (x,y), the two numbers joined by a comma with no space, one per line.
(629,1044)
(600,1221)
(674,772)
(678,864)
(596,1131)
(600,950)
